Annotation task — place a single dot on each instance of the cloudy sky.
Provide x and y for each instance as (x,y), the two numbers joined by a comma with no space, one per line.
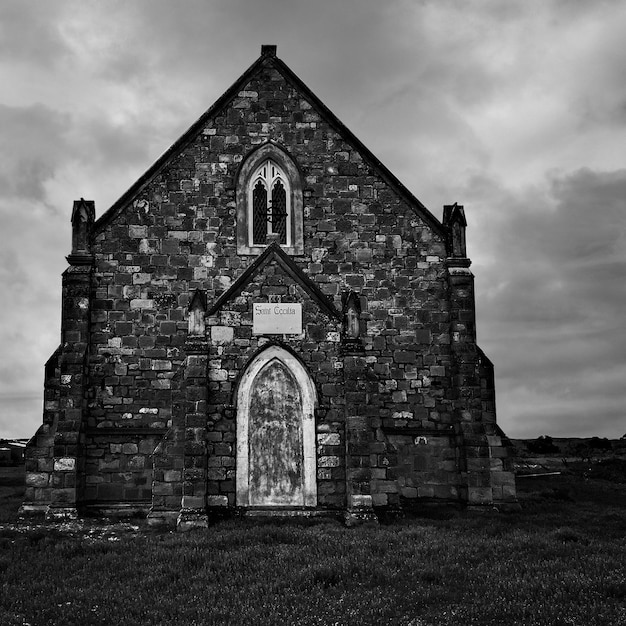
(516,109)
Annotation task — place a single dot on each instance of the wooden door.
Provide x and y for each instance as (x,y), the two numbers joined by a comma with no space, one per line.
(275,438)
(276,452)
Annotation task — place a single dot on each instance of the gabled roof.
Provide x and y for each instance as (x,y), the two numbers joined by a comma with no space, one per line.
(274,253)
(268,58)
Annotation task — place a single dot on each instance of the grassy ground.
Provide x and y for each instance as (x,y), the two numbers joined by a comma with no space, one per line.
(561,561)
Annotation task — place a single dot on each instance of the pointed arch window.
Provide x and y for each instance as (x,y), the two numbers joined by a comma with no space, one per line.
(270,204)
(269,201)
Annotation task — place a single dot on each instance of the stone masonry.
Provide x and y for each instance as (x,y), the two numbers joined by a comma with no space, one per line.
(141,412)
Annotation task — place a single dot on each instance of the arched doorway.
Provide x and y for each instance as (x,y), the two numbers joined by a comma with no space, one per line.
(276,433)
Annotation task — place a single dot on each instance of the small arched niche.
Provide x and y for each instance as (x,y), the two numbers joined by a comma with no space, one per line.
(276,465)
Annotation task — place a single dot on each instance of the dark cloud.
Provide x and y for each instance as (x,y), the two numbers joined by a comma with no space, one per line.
(29,32)
(566,253)
(34,240)
(33,144)
(589,223)
(470,101)
(40,144)
(550,307)
(112,144)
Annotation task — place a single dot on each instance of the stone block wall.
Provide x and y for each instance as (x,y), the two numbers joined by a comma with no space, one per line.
(231,347)
(416,373)
(178,235)
(415,467)
(118,466)
(39,453)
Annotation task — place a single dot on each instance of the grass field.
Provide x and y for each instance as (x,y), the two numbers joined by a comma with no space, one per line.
(561,561)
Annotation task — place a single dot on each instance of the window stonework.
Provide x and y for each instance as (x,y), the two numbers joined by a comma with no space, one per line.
(269,202)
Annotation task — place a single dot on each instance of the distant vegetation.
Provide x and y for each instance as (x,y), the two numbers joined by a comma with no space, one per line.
(542,445)
(577,447)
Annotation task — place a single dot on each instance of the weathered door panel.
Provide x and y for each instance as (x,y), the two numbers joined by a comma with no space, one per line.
(276,475)
(276,452)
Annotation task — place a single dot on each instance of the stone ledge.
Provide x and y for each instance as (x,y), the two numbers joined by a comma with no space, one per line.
(138,508)
(123,431)
(415,431)
(287,512)
(80,259)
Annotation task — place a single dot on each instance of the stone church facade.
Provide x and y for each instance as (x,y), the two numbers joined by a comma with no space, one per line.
(267,322)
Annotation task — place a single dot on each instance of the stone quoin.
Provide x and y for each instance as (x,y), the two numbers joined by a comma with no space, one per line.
(266,323)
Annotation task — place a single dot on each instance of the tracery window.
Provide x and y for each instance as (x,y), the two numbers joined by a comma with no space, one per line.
(270,205)
(269,201)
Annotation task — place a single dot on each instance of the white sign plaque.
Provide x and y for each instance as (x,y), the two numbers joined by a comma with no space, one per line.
(276,318)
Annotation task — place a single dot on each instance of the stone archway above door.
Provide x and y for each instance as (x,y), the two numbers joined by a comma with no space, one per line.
(276,464)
